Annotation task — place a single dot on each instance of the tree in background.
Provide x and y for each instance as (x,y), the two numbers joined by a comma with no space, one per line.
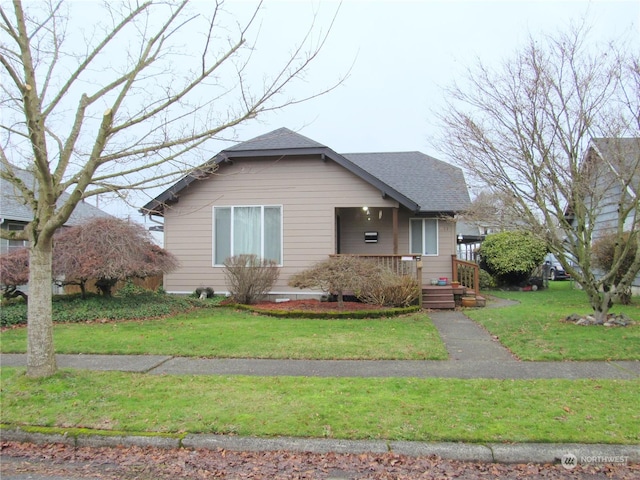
(108,250)
(14,271)
(521,131)
(126,100)
(609,255)
(105,250)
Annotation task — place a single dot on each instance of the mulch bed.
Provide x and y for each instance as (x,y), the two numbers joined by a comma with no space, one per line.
(312,305)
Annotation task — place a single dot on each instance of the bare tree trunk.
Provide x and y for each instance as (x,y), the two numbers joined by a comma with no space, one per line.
(340,300)
(41,360)
(600,302)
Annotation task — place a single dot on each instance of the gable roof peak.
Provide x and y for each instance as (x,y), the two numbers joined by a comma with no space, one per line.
(280,139)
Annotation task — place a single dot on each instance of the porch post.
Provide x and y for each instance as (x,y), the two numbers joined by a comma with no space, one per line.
(395,229)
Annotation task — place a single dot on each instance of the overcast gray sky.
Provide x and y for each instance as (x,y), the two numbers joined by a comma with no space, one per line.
(400,54)
(404,52)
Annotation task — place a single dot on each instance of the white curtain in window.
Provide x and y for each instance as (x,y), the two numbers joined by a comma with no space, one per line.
(416,237)
(247,231)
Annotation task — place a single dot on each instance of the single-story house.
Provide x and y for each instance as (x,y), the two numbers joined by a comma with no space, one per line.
(291,199)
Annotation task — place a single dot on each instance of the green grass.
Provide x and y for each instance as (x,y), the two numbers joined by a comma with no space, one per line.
(225,332)
(590,411)
(533,329)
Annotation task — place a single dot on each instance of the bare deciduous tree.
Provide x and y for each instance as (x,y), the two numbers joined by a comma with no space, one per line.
(521,131)
(117,104)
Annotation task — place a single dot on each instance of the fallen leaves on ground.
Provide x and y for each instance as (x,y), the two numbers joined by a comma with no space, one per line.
(146,463)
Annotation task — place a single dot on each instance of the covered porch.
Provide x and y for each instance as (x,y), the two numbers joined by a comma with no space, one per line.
(462,289)
(387,235)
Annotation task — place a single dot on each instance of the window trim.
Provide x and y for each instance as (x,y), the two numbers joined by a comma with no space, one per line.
(11,247)
(231,232)
(422,222)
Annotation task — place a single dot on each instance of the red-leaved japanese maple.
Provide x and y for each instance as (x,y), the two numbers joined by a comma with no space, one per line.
(108,250)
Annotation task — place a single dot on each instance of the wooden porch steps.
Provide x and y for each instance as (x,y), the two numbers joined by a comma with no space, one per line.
(438,297)
(448,298)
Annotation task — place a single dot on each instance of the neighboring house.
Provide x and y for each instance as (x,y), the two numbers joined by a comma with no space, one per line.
(615,168)
(15,214)
(291,199)
(469,237)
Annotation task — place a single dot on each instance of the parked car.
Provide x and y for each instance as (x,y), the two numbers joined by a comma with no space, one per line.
(555,268)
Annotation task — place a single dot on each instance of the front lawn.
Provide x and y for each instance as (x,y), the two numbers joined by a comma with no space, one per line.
(533,329)
(584,411)
(225,332)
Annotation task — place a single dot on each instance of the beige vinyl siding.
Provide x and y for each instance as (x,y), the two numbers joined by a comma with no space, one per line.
(308,189)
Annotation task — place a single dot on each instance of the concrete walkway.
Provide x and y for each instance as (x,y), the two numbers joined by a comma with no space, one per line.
(473,353)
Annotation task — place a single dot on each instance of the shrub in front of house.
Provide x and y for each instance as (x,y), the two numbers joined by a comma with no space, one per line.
(250,278)
(389,290)
(510,257)
(369,281)
(487,282)
(339,276)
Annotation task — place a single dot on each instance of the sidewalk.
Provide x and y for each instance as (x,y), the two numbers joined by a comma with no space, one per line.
(473,353)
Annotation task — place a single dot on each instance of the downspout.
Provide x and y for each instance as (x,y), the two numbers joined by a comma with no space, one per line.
(150,215)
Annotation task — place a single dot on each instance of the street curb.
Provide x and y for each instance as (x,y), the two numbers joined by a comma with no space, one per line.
(465,452)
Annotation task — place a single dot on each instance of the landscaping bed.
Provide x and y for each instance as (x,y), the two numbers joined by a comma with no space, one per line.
(312,308)
(313,305)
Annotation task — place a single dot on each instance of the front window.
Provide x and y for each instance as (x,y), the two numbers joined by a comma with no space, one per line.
(16,244)
(424,236)
(247,230)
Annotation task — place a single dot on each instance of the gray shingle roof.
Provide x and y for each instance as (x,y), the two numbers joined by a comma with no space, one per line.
(12,206)
(417,181)
(280,139)
(432,184)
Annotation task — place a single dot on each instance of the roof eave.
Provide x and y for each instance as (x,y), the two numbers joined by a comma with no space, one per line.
(158,204)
